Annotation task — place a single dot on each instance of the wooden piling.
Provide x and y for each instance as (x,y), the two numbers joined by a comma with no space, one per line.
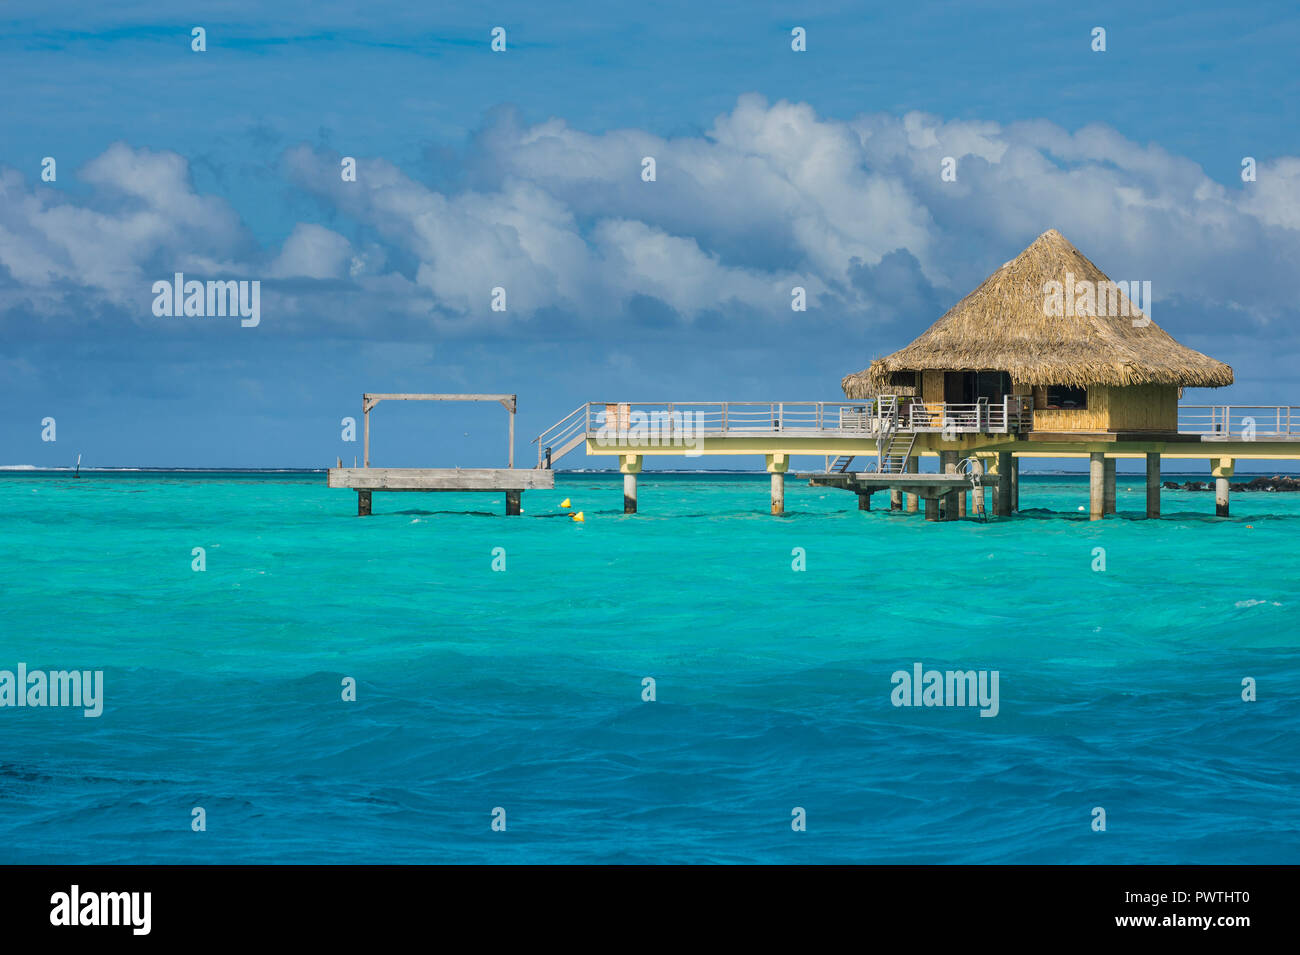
(363,503)
(1153,484)
(912,467)
(1222,469)
(1096,485)
(778,463)
(931,508)
(1109,492)
(1002,506)
(512,502)
(864,501)
(895,500)
(630,465)
(1015,484)
(952,503)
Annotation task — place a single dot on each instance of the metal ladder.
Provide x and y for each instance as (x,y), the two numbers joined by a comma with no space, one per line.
(841,464)
(974,469)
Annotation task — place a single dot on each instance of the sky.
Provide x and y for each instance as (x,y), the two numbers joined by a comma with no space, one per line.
(522,170)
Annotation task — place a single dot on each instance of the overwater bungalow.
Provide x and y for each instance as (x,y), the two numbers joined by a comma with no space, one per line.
(1048,333)
(1101,367)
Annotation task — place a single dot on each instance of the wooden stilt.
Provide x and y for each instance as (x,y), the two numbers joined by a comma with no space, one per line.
(1222,471)
(864,501)
(895,500)
(513,502)
(363,503)
(1109,475)
(951,503)
(778,462)
(1002,506)
(1096,485)
(912,467)
(1153,484)
(932,509)
(1015,484)
(630,465)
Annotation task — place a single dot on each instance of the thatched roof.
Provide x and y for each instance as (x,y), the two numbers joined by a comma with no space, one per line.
(1004,326)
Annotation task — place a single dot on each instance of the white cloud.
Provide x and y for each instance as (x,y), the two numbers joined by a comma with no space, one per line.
(771,196)
(313,252)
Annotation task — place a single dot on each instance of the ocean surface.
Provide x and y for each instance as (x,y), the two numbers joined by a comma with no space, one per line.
(521,689)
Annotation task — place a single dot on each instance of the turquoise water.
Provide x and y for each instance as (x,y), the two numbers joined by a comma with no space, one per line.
(522,689)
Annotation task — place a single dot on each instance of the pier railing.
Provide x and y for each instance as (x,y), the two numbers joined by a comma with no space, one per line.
(1238,421)
(676,422)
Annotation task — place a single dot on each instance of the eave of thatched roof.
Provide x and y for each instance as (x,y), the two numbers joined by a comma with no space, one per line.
(1004,326)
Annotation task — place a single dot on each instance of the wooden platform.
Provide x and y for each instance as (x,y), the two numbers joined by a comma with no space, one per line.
(512,481)
(442,479)
(864,482)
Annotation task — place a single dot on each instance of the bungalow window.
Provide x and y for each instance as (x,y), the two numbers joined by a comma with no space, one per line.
(1066,397)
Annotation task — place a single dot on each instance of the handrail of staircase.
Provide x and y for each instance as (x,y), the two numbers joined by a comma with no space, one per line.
(567,427)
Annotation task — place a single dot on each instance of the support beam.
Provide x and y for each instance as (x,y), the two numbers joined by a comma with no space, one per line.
(363,503)
(913,466)
(777,464)
(864,501)
(512,502)
(951,506)
(1096,486)
(895,500)
(365,452)
(1222,469)
(1002,502)
(1015,484)
(1153,484)
(931,508)
(1109,476)
(630,465)
(977,493)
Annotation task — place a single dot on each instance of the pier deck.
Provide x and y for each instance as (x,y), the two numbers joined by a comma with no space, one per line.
(441,479)
(513,481)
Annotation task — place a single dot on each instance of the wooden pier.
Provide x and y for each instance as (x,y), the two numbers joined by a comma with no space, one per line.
(887,437)
(510,480)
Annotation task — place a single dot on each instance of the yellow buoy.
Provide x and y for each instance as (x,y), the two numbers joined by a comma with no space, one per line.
(565,503)
(578,517)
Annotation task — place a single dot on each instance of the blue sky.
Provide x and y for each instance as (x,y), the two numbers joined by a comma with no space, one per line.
(522,169)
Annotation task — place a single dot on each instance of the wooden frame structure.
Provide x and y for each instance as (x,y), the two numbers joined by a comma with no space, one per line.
(365,480)
(368,401)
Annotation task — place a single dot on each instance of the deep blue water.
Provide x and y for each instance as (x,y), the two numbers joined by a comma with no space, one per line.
(1118,688)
